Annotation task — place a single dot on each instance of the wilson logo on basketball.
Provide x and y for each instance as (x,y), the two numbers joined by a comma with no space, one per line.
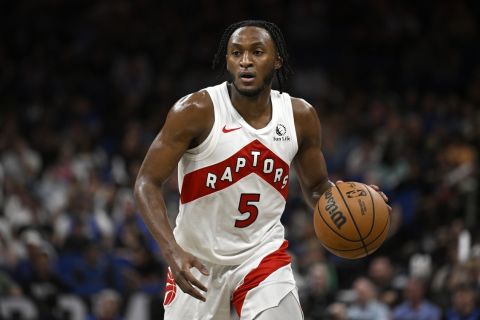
(170,290)
(332,208)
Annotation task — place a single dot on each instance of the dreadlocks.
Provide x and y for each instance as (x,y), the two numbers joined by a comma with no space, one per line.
(275,34)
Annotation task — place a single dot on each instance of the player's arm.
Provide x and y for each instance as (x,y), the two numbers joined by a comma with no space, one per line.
(190,120)
(309,162)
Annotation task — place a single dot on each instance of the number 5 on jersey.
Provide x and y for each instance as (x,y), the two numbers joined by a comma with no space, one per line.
(247,206)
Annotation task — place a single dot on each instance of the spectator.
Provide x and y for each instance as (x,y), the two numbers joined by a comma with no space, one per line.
(318,293)
(366,305)
(36,275)
(336,311)
(44,286)
(8,287)
(106,306)
(146,272)
(381,272)
(464,304)
(93,272)
(415,306)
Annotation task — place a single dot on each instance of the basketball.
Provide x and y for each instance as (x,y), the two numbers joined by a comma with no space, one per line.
(351,220)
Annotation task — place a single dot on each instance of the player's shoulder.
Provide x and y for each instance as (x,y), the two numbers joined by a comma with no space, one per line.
(307,123)
(193,112)
(197,102)
(302,110)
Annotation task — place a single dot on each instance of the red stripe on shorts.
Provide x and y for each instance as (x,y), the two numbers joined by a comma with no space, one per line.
(267,266)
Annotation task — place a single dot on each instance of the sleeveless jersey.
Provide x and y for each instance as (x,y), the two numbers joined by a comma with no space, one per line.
(234,185)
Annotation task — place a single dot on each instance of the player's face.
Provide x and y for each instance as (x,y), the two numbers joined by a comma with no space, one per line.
(251,60)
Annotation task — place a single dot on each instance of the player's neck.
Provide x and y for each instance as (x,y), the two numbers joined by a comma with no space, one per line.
(251,106)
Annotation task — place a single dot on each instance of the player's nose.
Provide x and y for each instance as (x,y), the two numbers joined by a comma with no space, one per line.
(246,60)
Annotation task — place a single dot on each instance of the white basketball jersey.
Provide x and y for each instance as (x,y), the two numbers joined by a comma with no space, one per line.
(234,185)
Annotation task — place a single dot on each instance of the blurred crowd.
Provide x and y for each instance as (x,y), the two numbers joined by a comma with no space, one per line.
(85,86)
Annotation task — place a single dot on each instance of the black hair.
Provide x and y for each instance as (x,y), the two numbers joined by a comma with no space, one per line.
(282,73)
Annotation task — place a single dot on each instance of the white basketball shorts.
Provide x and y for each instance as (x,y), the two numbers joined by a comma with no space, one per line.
(242,291)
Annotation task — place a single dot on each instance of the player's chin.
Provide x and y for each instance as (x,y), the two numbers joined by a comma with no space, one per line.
(249,90)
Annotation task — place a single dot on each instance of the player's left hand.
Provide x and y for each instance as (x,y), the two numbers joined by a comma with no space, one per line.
(384,196)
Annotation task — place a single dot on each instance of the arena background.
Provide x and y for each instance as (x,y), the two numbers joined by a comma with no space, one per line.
(85,87)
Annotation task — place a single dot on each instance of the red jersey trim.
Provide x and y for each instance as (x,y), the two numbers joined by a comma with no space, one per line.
(267,266)
(254,158)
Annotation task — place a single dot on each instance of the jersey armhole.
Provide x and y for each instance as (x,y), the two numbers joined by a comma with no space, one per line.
(288,101)
(206,147)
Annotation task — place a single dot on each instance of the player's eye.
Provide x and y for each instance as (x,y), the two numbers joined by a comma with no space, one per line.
(235,53)
(257,52)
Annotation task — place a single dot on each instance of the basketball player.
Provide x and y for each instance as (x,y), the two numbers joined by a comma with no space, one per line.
(234,144)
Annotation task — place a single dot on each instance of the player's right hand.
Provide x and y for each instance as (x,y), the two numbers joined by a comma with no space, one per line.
(180,263)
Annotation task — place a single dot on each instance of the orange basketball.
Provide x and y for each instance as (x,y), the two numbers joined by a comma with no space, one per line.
(351,220)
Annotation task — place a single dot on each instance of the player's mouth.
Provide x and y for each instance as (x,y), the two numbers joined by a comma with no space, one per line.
(247,77)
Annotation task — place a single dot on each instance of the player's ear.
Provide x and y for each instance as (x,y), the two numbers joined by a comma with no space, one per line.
(278,62)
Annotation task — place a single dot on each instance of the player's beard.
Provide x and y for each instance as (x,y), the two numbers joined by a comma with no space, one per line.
(267,81)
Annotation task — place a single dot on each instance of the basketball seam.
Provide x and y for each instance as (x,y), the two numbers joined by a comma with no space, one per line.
(346,250)
(331,228)
(353,220)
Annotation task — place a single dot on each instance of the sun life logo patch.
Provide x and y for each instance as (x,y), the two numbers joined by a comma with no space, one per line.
(281,132)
